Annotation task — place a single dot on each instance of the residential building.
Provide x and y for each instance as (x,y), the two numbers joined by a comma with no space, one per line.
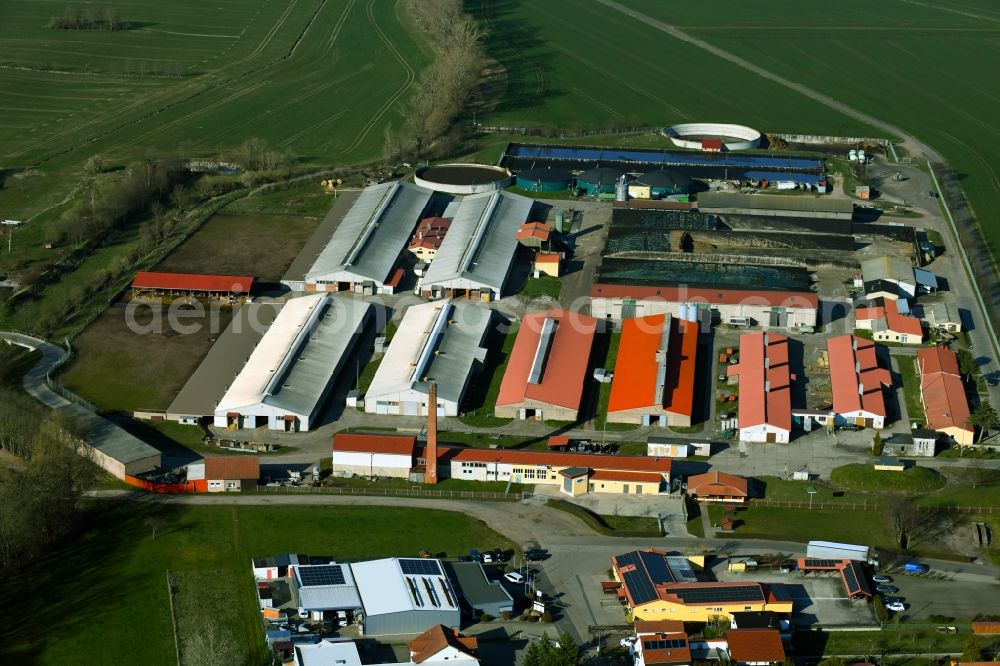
(427,237)
(656,586)
(293,368)
(755,647)
(917,442)
(548,367)
(942,393)
(888,323)
(574,473)
(888,277)
(661,643)
(478,252)
(439,342)
(363,251)
(718,487)
(764,412)
(857,382)
(443,644)
(217,474)
(654,372)
(786,309)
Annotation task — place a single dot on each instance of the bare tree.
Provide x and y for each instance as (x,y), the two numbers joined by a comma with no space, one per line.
(903,518)
(212,646)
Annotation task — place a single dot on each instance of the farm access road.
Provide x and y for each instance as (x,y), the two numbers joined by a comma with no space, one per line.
(574,550)
(967,234)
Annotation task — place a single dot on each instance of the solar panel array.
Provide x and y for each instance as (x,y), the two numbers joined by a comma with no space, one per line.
(527,151)
(664,644)
(700,595)
(657,567)
(639,587)
(420,567)
(780,592)
(812,563)
(327,574)
(855,580)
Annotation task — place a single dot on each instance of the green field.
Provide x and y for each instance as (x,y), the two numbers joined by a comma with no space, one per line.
(106,594)
(321,78)
(859,476)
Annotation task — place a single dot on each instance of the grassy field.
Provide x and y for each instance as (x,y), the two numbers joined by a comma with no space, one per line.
(111,581)
(861,476)
(116,368)
(916,65)
(911,388)
(308,200)
(320,78)
(805,524)
(243,244)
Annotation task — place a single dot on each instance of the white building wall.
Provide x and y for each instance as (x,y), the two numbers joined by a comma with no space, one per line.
(407,403)
(759,433)
(372,464)
(479,471)
(602,308)
(878,421)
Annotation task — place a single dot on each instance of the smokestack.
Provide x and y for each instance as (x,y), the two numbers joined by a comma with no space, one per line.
(431,453)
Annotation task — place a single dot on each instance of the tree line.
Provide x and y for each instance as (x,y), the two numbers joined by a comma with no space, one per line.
(444,89)
(91,18)
(41,474)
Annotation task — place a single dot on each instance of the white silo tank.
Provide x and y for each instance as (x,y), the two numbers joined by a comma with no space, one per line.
(621,189)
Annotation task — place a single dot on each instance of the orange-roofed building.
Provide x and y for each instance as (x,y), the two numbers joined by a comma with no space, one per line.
(548,263)
(888,324)
(428,236)
(755,647)
(718,487)
(218,474)
(534,234)
(548,367)
(943,394)
(373,454)
(986,628)
(654,378)
(857,382)
(765,406)
(440,643)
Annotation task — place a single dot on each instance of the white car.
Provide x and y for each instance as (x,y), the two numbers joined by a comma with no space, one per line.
(896,606)
(627,641)
(514,577)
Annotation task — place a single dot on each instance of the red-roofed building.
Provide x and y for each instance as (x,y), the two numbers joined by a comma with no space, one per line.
(190,284)
(667,646)
(711,145)
(857,382)
(943,394)
(654,372)
(718,487)
(428,236)
(768,308)
(548,367)
(765,406)
(395,455)
(888,324)
(534,234)
(440,643)
(986,628)
(755,647)
(218,474)
(548,263)
(373,455)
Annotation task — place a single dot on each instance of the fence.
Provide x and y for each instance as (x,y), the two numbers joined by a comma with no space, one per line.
(392,492)
(868,506)
(59,388)
(551,132)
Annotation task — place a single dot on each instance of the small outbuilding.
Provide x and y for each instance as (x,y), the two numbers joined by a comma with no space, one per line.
(718,487)
(225,473)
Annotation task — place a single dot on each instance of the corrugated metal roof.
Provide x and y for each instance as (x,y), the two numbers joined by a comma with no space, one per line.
(437,341)
(374,231)
(481,241)
(893,269)
(294,361)
(384,588)
(342,596)
(239,284)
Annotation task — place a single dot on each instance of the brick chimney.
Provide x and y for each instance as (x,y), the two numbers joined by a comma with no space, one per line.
(431,452)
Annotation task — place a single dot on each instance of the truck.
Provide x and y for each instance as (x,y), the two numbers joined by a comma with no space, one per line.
(831,550)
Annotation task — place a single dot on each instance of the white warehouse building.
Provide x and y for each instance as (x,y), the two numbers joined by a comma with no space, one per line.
(438,342)
(368,242)
(478,252)
(405,596)
(292,369)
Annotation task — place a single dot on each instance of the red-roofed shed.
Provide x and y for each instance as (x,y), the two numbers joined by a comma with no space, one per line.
(173,284)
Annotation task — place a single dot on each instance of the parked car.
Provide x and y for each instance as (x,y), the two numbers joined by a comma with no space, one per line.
(896,606)
(879,579)
(916,567)
(474,555)
(514,577)
(887,589)
(534,555)
(464,558)
(627,641)
(487,557)
(891,600)
(499,555)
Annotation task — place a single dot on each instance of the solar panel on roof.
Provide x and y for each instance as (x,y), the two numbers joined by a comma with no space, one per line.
(699,595)
(664,644)
(420,567)
(780,592)
(855,579)
(327,574)
(639,587)
(820,564)
(657,567)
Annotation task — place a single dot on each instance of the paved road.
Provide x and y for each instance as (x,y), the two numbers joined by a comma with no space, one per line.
(577,554)
(971,248)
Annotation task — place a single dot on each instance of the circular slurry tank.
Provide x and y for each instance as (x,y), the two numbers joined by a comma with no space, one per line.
(463,178)
(598,180)
(665,182)
(732,137)
(544,180)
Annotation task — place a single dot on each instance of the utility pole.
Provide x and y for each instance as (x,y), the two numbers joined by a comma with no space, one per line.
(11,225)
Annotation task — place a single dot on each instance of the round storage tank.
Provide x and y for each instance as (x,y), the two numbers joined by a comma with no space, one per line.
(665,182)
(599,180)
(544,180)
(462,178)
